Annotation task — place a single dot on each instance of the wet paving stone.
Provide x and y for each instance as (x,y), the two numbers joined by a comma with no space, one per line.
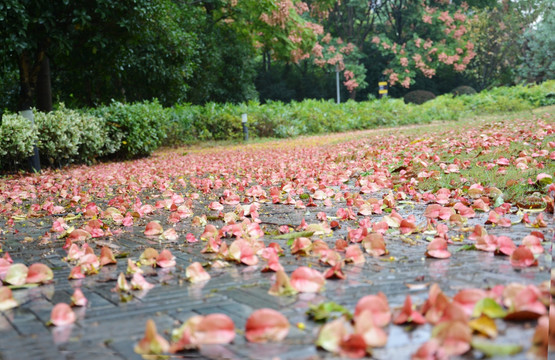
(111,324)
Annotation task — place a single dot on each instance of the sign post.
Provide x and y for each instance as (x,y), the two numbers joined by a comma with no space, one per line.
(382,92)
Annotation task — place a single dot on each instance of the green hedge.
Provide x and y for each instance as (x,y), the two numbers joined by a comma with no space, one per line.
(130,130)
(133,129)
(66,136)
(17,136)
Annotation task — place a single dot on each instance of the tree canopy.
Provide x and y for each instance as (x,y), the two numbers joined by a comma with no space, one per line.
(85,53)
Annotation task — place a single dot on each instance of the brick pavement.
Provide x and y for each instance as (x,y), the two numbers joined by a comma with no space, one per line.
(108,328)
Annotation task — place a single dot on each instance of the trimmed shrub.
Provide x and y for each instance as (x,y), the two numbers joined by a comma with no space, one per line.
(17,137)
(218,122)
(180,127)
(93,138)
(137,128)
(66,136)
(418,97)
(463,90)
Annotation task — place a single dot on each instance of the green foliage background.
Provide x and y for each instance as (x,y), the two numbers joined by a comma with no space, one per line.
(220,51)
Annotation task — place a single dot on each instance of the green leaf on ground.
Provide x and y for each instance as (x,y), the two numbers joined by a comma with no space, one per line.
(499,201)
(294,235)
(466,247)
(324,311)
(491,349)
(489,307)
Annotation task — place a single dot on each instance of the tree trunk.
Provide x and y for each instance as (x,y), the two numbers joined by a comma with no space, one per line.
(27,84)
(44,89)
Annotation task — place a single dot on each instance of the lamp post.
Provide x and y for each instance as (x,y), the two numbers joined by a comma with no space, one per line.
(337,84)
(245,129)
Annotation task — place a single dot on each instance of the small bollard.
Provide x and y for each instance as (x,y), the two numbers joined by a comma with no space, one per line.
(245,129)
(33,160)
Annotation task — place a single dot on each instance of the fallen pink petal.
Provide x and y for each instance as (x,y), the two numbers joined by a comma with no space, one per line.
(138,282)
(214,329)
(78,298)
(305,279)
(39,274)
(152,343)
(438,249)
(282,285)
(148,257)
(373,335)
(107,256)
(165,259)
(266,325)
(408,314)
(17,274)
(62,314)
(377,306)
(196,273)
(153,228)
(7,301)
(523,257)
(332,334)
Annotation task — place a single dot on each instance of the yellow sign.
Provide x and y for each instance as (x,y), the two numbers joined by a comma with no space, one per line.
(382,91)
(382,83)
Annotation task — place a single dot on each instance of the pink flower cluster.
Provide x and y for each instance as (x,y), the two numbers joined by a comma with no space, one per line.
(393,78)
(301,7)
(295,38)
(280,16)
(317,50)
(298,55)
(350,85)
(459,32)
(337,60)
(347,49)
(320,62)
(459,16)
(427,71)
(448,60)
(430,10)
(318,10)
(446,18)
(468,57)
(317,29)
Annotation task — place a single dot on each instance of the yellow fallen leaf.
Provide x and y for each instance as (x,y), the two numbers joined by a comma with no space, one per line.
(484,325)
